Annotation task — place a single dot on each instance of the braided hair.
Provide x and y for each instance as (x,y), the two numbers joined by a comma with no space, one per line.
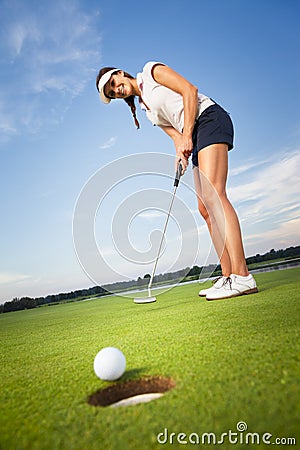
(129,100)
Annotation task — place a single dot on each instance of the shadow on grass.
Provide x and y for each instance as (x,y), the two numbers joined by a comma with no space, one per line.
(133,373)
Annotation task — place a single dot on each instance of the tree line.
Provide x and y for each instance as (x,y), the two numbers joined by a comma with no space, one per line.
(18,304)
(288,253)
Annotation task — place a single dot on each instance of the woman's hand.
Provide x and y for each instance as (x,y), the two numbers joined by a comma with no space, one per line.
(184,149)
(184,164)
(183,145)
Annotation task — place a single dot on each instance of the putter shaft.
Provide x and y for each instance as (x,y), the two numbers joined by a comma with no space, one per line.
(176,182)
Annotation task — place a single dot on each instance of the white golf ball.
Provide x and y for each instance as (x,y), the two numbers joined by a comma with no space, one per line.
(109,364)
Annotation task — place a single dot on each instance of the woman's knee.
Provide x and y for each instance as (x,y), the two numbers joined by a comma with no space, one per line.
(213,197)
(203,210)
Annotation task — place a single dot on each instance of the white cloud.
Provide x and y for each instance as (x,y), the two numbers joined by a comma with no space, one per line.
(7,128)
(283,235)
(267,200)
(48,55)
(109,143)
(11,278)
(21,32)
(248,165)
(151,214)
(272,191)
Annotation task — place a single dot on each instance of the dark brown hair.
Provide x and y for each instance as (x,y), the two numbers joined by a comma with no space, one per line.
(128,100)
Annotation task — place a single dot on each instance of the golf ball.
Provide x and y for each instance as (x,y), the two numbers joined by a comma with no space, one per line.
(109,364)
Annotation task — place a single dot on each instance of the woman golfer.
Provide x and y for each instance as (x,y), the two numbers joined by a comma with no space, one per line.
(200,128)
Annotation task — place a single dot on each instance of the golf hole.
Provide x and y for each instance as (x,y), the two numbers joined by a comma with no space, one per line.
(132,392)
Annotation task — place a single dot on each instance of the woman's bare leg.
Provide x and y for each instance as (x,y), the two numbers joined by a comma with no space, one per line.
(223,222)
(218,241)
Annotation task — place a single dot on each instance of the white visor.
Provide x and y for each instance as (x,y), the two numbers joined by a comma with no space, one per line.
(102,82)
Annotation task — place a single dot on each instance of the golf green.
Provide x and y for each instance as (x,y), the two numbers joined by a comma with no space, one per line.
(235,364)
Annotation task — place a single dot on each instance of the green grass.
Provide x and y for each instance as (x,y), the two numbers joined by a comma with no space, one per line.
(232,360)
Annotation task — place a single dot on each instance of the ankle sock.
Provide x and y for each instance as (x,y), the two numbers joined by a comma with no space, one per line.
(240,277)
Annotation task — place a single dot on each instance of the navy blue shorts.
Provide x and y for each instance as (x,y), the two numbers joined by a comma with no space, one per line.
(214,126)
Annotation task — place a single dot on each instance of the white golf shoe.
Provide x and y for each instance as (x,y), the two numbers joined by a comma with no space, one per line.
(217,284)
(234,286)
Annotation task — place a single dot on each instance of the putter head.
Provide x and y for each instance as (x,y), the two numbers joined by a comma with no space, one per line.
(142,301)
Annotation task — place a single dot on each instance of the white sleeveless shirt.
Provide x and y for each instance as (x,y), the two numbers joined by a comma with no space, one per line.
(165,105)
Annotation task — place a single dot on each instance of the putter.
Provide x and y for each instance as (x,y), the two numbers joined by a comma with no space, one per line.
(151,299)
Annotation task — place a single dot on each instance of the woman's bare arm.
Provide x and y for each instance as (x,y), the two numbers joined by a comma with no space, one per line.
(167,77)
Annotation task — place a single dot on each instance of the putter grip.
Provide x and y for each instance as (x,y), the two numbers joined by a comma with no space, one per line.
(178,174)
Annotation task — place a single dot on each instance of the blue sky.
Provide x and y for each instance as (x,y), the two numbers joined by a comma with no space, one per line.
(55,135)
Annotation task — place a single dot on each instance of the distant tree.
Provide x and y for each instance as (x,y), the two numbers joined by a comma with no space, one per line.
(140,281)
(195,270)
(27,303)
